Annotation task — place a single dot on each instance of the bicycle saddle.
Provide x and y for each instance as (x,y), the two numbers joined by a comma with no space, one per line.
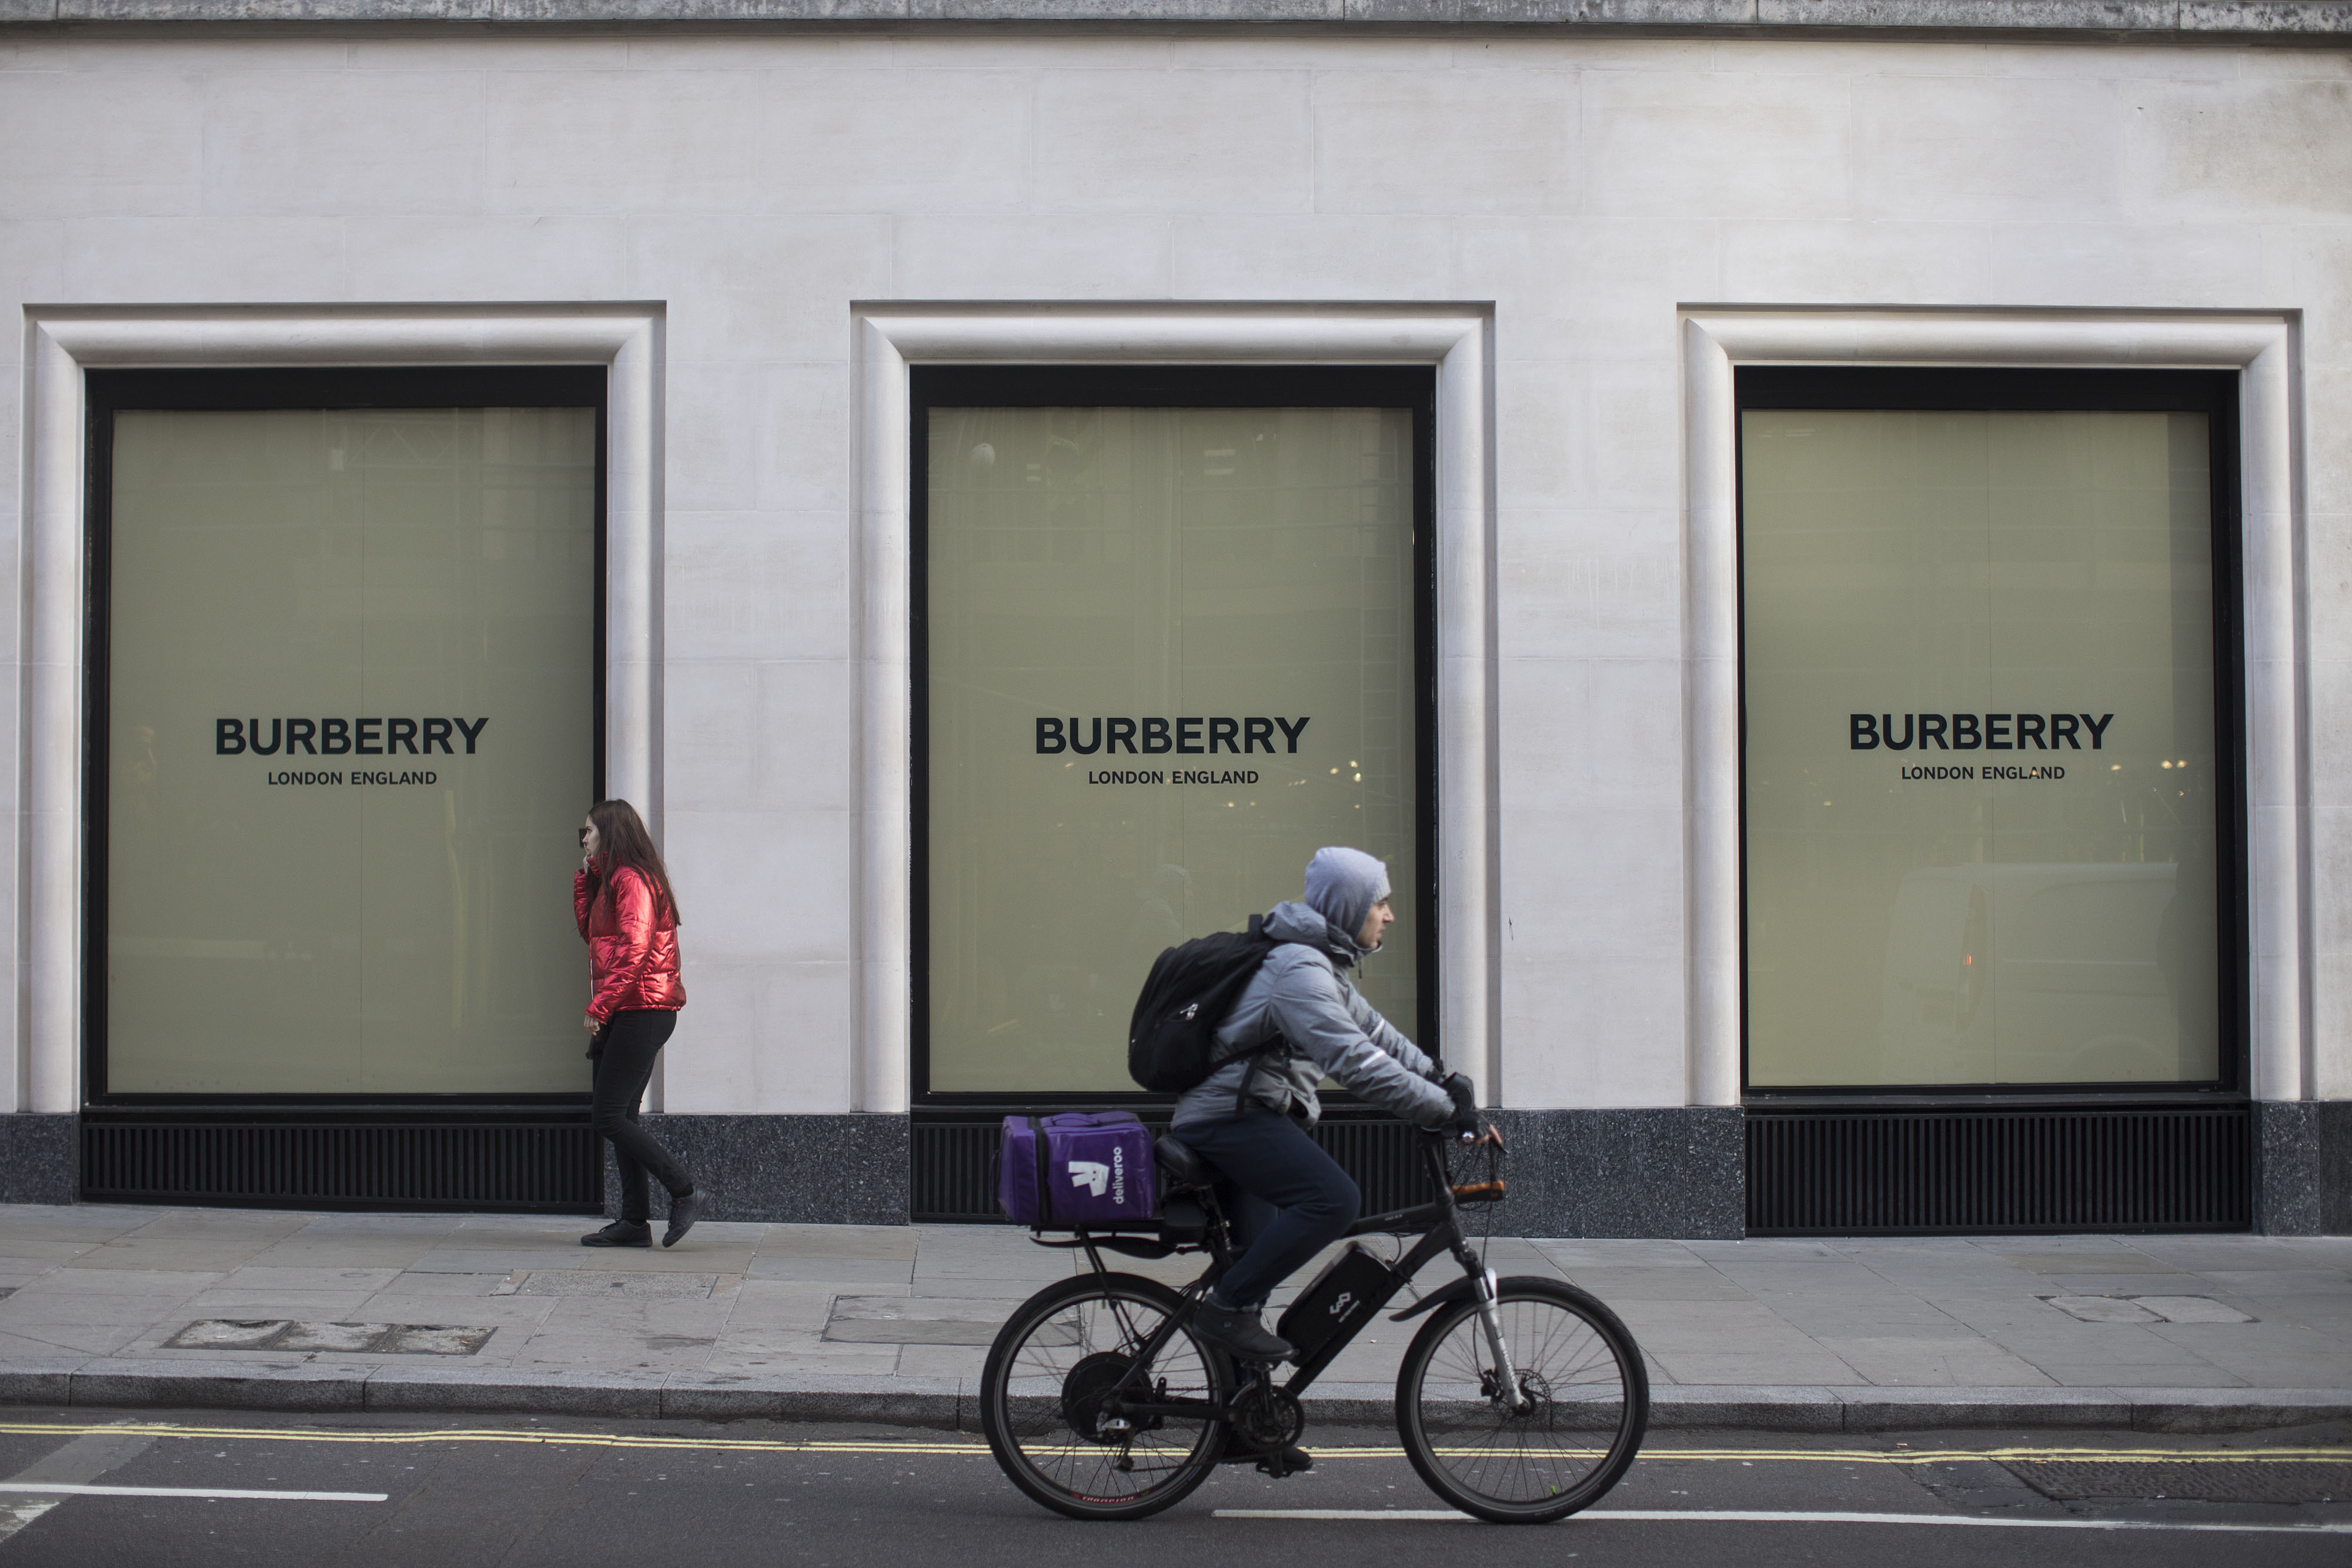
(1184,1168)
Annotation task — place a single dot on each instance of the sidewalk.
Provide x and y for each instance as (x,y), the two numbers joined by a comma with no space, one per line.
(107,1305)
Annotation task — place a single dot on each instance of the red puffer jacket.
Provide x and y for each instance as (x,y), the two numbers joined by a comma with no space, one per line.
(632,950)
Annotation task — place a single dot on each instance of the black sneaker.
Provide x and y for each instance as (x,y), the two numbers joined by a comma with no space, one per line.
(620,1233)
(1240,1332)
(683,1213)
(1295,1460)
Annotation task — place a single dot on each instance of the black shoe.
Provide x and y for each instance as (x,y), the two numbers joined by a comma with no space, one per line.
(683,1213)
(1240,1332)
(621,1233)
(1295,1460)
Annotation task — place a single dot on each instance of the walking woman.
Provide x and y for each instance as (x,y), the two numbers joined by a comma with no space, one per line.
(628,917)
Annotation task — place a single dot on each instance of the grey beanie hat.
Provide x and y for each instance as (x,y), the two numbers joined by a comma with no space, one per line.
(1342,885)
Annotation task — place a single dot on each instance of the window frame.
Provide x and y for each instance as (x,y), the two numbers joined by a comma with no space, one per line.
(2212,393)
(1409,386)
(110,392)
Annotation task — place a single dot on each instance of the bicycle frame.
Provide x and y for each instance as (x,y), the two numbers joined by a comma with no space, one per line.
(1440,1222)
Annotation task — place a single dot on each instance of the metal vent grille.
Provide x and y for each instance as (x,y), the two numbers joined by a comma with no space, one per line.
(1850,1173)
(546,1167)
(954,1176)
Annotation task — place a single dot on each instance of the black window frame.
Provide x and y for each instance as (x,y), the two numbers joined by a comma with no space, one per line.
(109,392)
(1413,387)
(2214,394)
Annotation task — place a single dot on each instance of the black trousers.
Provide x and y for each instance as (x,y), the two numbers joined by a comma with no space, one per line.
(1292,1200)
(624,1067)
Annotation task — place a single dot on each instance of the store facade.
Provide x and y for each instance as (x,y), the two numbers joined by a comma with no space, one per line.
(1809,551)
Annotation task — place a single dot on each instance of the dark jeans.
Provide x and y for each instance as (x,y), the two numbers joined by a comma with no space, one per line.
(1289,1198)
(631,1042)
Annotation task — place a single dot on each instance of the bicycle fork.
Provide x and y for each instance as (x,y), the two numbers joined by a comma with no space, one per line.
(1490,1318)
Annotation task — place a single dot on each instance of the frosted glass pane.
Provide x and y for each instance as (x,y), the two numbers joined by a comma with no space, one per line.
(1980,755)
(1170,656)
(397,607)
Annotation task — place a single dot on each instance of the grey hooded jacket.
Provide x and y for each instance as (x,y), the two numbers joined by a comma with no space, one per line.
(1326,1027)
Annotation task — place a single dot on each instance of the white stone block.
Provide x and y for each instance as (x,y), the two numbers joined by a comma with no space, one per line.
(756,585)
(1454,141)
(1956,147)
(799,436)
(1591,1033)
(766,737)
(74,144)
(758,287)
(1855,261)
(1603,732)
(1556,860)
(1174,141)
(1662,144)
(1045,256)
(712,448)
(1319,257)
(2208,266)
(332,142)
(2235,150)
(420,257)
(1571,287)
(760,886)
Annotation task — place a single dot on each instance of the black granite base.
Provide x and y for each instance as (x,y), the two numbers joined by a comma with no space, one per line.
(2303,1170)
(1675,1172)
(789,1170)
(39,1161)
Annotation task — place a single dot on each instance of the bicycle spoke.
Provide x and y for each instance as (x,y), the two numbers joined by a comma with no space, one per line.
(1577,1392)
(1065,1362)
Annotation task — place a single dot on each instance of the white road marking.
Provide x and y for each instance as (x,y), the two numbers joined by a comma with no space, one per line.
(1746,1516)
(59,1488)
(15,1516)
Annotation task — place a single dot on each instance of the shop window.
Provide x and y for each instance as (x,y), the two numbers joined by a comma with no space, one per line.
(1173,634)
(1990,779)
(345,719)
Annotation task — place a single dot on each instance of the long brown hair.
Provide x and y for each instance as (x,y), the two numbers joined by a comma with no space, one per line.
(621,840)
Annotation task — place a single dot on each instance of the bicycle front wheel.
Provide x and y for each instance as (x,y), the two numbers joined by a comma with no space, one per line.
(1049,1399)
(1587,1404)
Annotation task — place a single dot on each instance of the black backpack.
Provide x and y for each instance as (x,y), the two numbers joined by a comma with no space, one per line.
(1171,1042)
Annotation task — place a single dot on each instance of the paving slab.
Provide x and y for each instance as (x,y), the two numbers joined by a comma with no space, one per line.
(892,1323)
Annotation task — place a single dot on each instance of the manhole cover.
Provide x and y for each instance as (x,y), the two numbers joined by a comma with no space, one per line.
(2071,1480)
(363,1339)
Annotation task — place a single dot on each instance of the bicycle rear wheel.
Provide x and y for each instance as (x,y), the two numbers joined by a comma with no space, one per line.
(1587,1405)
(1045,1388)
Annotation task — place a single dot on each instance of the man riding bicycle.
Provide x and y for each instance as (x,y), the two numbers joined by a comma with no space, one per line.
(1298,1020)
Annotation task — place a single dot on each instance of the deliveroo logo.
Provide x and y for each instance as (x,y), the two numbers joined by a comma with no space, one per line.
(1097,1177)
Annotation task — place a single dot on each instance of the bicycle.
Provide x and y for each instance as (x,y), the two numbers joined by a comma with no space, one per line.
(1519,1401)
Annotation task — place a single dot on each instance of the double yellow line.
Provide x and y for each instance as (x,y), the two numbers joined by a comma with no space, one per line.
(958,1447)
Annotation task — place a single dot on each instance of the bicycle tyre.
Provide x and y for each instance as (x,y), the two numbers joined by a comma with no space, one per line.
(1590,1387)
(1032,1399)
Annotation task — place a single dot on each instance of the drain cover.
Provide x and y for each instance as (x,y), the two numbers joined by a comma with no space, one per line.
(2195,1480)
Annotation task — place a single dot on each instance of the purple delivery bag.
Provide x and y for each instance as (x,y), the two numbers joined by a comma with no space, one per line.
(1058,1173)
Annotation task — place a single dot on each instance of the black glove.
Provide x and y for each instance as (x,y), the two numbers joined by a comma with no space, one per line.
(1465,1104)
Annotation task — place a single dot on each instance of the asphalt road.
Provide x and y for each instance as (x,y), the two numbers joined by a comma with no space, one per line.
(446,1494)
